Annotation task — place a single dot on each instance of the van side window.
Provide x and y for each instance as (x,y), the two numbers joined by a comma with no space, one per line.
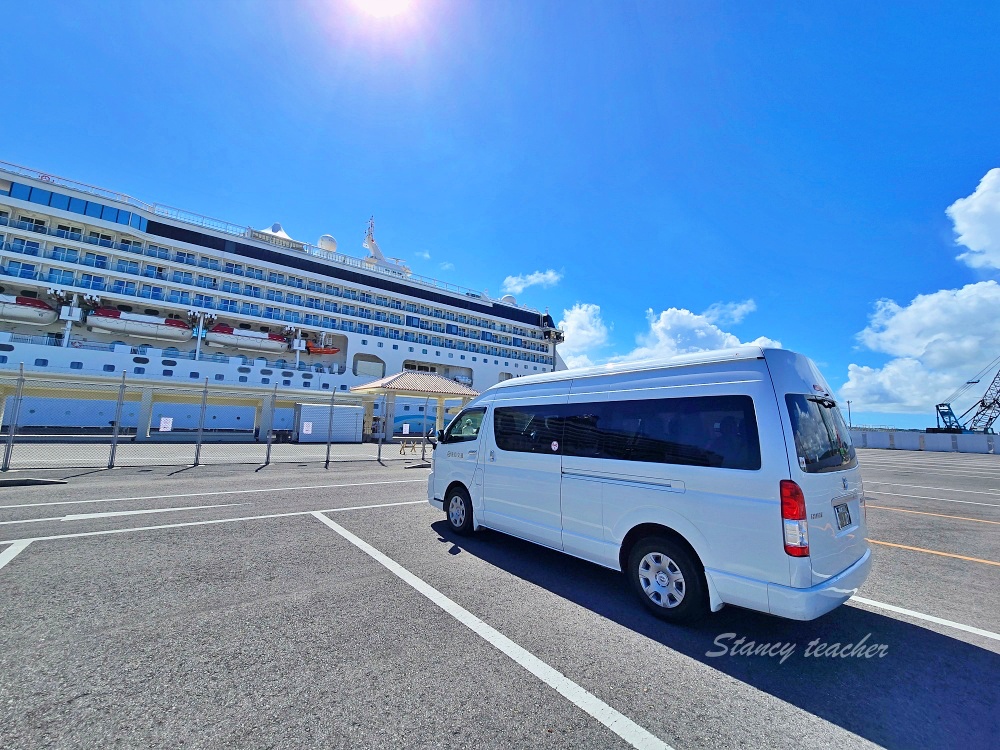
(717,431)
(529,429)
(464,427)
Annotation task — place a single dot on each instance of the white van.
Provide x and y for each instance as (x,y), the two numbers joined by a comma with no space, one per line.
(723,477)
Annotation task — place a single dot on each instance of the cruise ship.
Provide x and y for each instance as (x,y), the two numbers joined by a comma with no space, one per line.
(100,283)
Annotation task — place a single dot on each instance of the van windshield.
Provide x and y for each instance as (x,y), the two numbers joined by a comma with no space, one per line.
(822,440)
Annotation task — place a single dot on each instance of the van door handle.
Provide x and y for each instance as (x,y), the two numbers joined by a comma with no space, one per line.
(493,456)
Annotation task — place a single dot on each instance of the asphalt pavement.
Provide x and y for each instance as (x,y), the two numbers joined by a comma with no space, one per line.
(295,607)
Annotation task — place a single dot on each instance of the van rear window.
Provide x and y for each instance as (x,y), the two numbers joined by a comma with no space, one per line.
(719,431)
(822,440)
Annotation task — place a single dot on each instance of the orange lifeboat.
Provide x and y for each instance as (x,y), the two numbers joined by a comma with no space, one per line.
(312,349)
(141,326)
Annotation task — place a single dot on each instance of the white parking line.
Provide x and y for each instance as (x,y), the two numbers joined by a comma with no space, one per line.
(221,492)
(88,516)
(926,497)
(928,618)
(12,551)
(940,489)
(205,523)
(618,723)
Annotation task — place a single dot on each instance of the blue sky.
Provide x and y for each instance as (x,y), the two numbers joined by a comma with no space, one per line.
(675,174)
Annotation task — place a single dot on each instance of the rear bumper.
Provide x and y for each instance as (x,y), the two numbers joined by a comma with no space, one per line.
(810,603)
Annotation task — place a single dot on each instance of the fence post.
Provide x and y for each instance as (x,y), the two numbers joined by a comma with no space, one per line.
(381,434)
(270,428)
(117,425)
(329,427)
(12,426)
(423,428)
(201,424)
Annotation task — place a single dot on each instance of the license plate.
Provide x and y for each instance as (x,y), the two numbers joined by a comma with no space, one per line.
(843,516)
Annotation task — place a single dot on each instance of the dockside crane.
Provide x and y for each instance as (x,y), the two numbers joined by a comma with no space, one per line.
(985,411)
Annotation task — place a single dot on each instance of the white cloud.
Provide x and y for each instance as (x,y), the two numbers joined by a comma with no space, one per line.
(977,222)
(423,254)
(724,313)
(679,331)
(447,266)
(517,284)
(585,332)
(937,341)
(673,331)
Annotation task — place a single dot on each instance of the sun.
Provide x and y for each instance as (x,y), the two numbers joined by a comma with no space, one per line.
(382,8)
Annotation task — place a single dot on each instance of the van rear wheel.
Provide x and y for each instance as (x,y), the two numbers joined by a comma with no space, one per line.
(668,579)
(458,508)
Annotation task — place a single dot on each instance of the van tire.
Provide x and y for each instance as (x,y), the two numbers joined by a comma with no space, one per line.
(668,579)
(458,511)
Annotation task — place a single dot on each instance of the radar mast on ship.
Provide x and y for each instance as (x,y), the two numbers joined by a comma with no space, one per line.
(377,257)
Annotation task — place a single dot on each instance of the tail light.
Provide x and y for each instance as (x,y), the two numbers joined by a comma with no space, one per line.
(793,519)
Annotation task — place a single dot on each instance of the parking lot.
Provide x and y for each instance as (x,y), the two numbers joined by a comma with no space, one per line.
(300,607)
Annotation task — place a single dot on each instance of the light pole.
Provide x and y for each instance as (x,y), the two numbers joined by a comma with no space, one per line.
(850,424)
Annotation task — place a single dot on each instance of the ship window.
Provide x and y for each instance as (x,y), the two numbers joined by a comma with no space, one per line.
(461,356)
(410,348)
(406,408)
(108,368)
(343,387)
(326,386)
(76,365)
(41,363)
(109,214)
(169,363)
(140,360)
(245,326)
(243,378)
(287,374)
(220,377)
(243,369)
(307,376)
(267,372)
(380,344)
(451,355)
(395,346)
(28,293)
(194,375)
(265,381)
(263,329)
(139,370)
(422,351)
(286,382)
(6,348)
(125,308)
(3,359)
(307,384)
(168,373)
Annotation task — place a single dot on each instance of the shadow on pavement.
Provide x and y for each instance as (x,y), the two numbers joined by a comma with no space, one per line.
(929,690)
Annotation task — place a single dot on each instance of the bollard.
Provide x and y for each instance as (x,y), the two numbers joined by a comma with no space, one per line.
(14,414)
(329,427)
(118,421)
(201,425)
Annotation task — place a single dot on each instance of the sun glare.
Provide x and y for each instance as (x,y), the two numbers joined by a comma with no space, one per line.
(382,8)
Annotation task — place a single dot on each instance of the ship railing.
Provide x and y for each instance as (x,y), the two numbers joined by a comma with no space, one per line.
(23,338)
(236,230)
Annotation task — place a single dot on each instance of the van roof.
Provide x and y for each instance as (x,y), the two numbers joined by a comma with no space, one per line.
(659,363)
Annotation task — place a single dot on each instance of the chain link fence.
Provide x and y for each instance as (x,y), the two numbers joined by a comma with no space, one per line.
(62,423)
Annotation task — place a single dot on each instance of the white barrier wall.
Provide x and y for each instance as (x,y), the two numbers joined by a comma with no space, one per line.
(920,441)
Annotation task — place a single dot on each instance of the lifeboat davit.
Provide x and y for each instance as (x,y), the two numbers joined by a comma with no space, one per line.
(321,349)
(28,310)
(140,326)
(258,341)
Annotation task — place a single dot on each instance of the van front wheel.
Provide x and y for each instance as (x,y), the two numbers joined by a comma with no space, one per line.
(667,580)
(458,508)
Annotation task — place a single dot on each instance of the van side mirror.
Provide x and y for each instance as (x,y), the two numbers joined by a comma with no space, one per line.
(439,436)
